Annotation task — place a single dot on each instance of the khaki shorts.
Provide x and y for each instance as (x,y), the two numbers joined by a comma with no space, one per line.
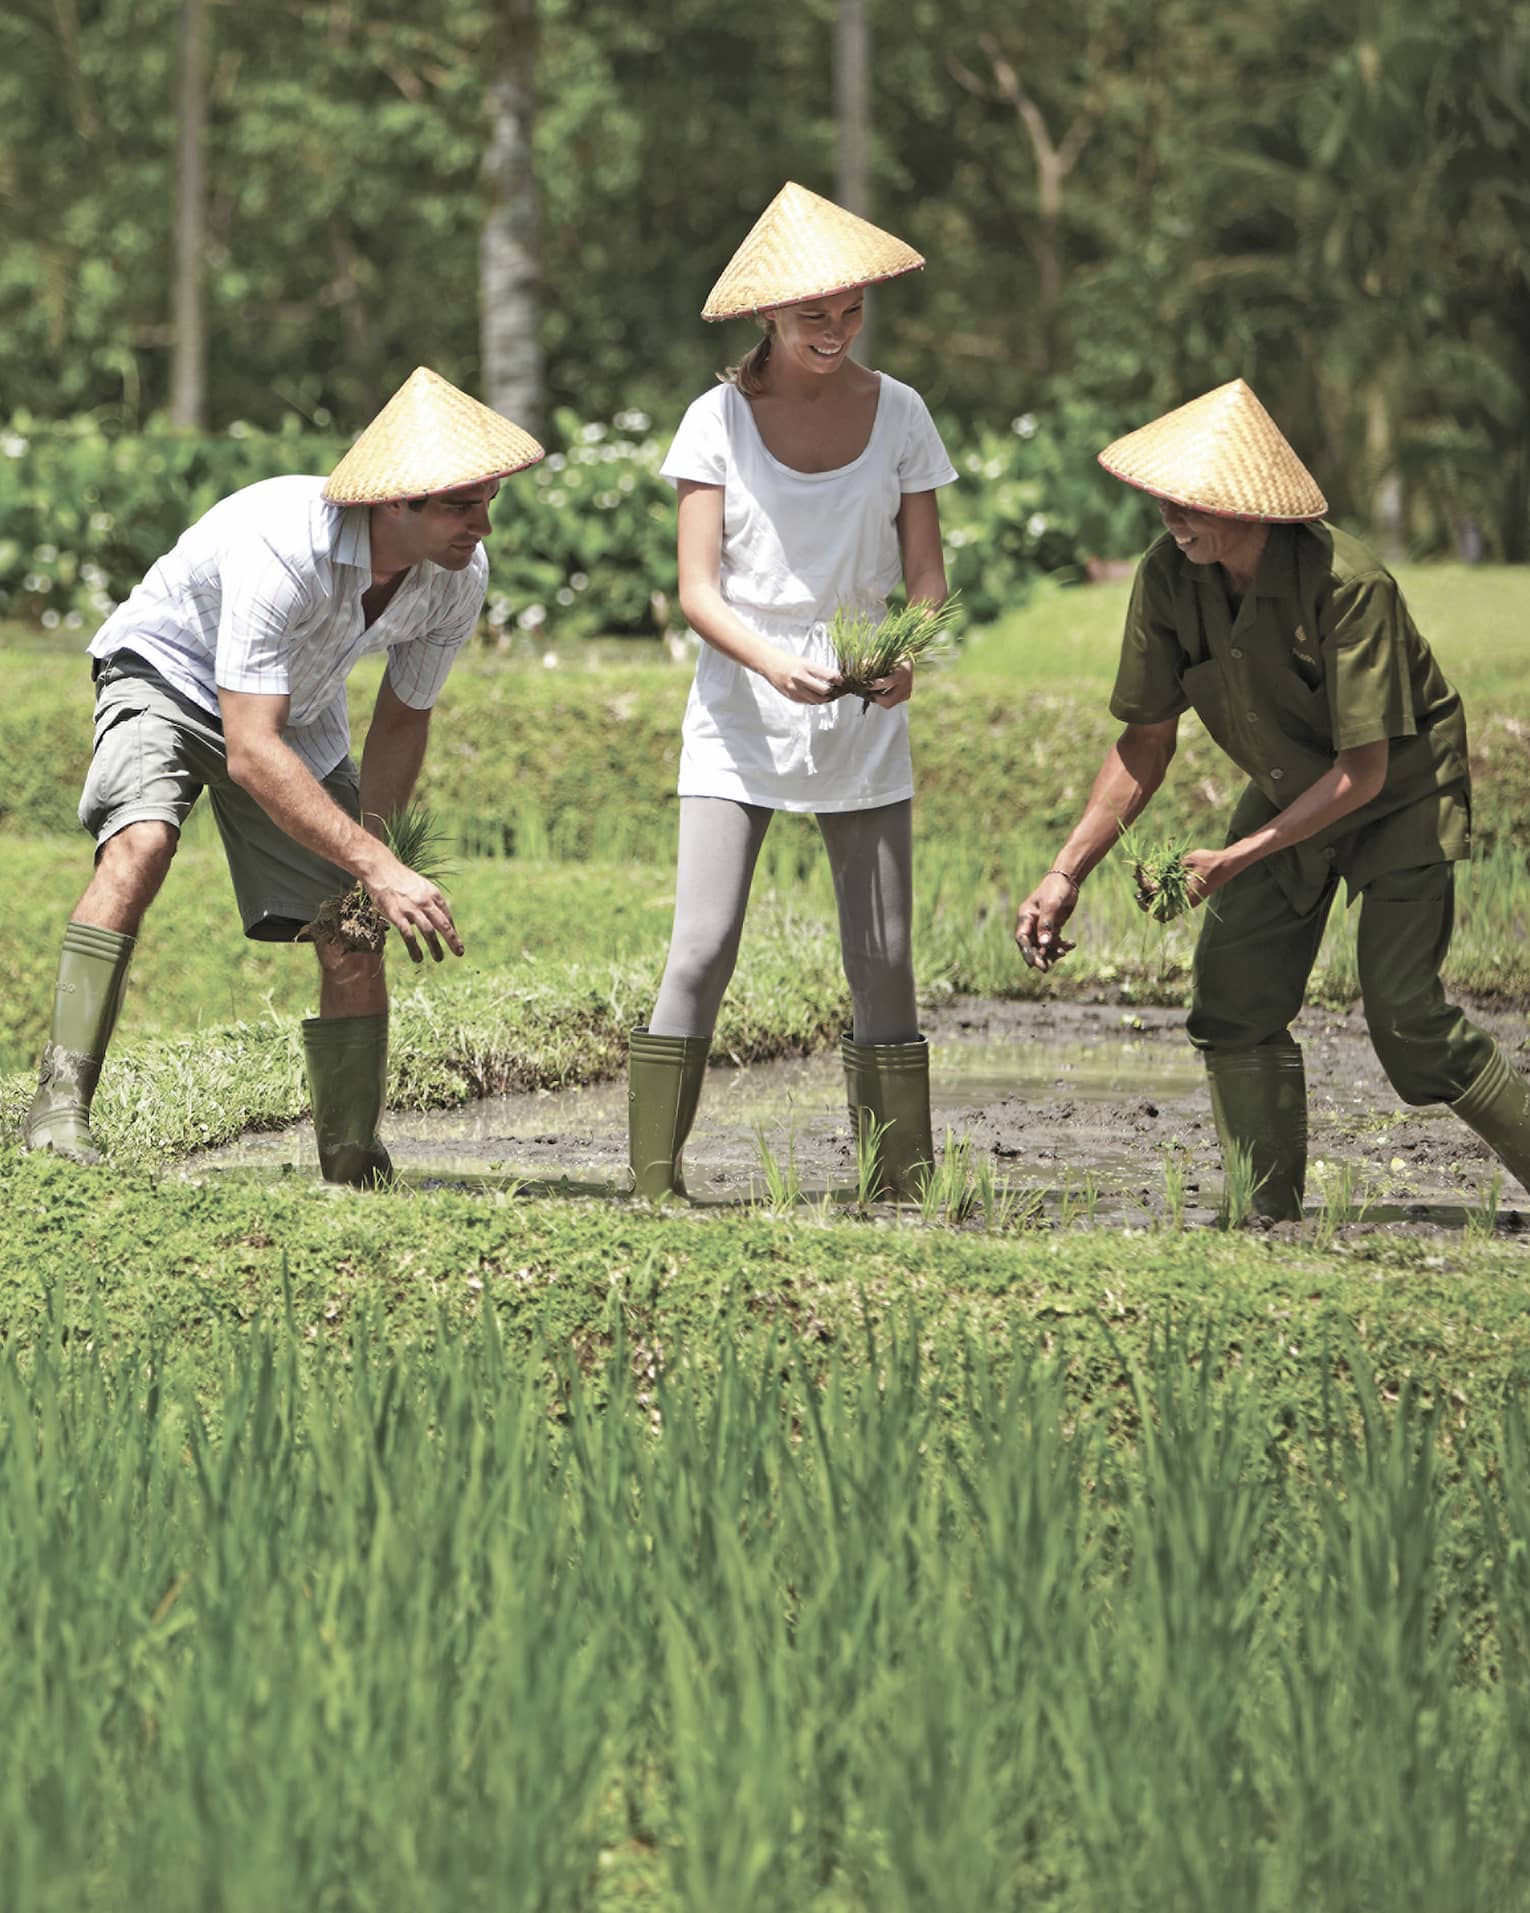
(155,754)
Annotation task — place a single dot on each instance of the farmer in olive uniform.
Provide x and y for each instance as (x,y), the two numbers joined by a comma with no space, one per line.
(1295,649)
(225,671)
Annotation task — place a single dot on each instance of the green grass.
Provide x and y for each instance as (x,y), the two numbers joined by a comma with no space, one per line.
(638,1560)
(1473,617)
(551,982)
(458,1551)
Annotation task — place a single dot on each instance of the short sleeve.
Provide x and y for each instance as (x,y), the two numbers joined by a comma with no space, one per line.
(1149,687)
(1365,652)
(699,450)
(262,602)
(418,668)
(924,462)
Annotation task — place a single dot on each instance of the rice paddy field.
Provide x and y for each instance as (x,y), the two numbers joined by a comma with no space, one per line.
(459,1549)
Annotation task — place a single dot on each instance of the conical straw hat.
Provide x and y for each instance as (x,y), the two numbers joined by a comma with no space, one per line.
(805,247)
(1221,454)
(429,437)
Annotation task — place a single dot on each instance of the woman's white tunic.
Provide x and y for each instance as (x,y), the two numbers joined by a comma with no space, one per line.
(796,546)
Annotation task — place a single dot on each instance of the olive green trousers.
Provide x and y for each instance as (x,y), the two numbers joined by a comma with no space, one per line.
(1256,951)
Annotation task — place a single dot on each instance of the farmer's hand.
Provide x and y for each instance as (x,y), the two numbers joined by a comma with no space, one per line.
(1042,916)
(1205,871)
(1210,870)
(801,680)
(415,907)
(896,688)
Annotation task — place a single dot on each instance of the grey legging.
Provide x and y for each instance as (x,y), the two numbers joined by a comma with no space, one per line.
(871,858)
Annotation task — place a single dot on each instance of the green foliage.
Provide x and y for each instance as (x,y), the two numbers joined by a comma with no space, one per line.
(908,1611)
(1120,206)
(583,543)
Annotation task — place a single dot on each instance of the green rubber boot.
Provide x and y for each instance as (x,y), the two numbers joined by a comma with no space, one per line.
(1259,1099)
(889,1084)
(347,1059)
(1497,1107)
(92,973)
(664,1078)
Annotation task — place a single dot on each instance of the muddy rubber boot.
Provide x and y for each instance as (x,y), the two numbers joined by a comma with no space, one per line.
(347,1059)
(1259,1099)
(664,1078)
(92,973)
(889,1084)
(1497,1107)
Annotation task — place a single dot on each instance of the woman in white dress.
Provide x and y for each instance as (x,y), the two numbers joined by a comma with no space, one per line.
(805,483)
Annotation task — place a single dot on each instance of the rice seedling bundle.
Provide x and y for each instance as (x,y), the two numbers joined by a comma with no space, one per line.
(867,648)
(1160,873)
(353,919)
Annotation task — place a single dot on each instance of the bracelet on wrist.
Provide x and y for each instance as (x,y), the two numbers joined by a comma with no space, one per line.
(1066,875)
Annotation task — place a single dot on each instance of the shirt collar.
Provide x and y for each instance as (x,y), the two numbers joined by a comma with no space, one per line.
(1277,566)
(353,538)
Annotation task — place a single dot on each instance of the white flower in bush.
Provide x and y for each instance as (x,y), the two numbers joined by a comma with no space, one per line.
(534,616)
(1024,426)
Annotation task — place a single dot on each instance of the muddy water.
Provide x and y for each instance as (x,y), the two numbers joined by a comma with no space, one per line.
(1085,1102)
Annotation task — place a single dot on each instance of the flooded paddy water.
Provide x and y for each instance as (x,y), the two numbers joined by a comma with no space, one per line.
(1084,1109)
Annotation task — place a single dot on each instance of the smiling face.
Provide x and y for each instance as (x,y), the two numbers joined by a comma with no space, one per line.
(445,530)
(1205,540)
(816,335)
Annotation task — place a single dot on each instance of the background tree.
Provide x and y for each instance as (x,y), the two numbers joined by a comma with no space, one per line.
(510,301)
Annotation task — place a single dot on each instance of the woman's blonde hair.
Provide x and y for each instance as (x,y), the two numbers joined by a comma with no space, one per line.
(749,374)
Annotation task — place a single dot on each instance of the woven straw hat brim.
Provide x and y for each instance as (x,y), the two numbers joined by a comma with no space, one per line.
(429,437)
(805,247)
(1223,455)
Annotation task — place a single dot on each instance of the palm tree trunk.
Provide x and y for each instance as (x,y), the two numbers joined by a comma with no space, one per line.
(510,274)
(188,378)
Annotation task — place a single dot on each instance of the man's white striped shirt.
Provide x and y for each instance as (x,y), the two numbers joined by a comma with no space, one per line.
(263,593)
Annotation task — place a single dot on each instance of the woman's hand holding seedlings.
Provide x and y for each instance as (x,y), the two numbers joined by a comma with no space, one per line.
(1042,916)
(896,688)
(800,679)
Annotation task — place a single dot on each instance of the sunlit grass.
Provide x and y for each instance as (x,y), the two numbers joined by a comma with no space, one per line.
(880,1623)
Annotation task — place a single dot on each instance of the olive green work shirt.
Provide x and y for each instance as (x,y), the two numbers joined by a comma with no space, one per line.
(1321,656)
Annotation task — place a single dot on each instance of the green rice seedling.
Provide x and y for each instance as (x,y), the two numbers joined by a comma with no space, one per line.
(418,840)
(1004,1207)
(1482,1215)
(1239,1186)
(1162,877)
(869,1185)
(866,648)
(1080,1199)
(1174,1184)
(950,1192)
(1346,1198)
(783,1181)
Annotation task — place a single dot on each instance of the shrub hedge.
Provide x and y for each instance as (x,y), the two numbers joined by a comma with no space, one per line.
(585,543)
(578,762)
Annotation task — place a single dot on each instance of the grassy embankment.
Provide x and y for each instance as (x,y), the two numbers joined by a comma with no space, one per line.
(573,771)
(333,1588)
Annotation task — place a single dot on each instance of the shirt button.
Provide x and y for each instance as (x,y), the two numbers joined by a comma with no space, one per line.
(1253,717)
(1277,774)
(1236,652)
